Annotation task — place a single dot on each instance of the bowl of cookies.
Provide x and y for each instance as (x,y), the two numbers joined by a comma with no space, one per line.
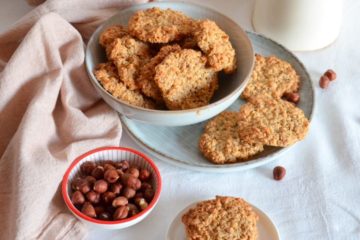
(170,64)
(111,187)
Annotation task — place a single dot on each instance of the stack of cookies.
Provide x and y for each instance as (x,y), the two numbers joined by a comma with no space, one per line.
(164,60)
(265,120)
(227,218)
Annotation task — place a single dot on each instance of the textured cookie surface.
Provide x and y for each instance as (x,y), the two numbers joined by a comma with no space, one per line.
(147,73)
(220,142)
(215,43)
(111,33)
(159,26)
(184,80)
(272,122)
(224,218)
(106,74)
(271,77)
(128,55)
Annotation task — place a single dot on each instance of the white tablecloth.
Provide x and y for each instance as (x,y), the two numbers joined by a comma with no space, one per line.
(320,195)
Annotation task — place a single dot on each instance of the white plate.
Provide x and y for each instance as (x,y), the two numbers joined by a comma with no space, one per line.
(179,145)
(267,229)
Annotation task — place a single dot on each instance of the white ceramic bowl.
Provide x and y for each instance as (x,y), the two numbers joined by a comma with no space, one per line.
(114,154)
(230,87)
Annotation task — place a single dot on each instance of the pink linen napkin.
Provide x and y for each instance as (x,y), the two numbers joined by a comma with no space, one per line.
(49,114)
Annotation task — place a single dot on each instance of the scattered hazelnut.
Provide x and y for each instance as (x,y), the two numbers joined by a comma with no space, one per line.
(144,175)
(93,197)
(141,203)
(88,210)
(279,173)
(324,81)
(105,216)
(87,167)
(77,198)
(292,97)
(133,171)
(100,186)
(149,194)
(129,192)
(119,201)
(111,175)
(108,197)
(116,188)
(331,74)
(120,213)
(98,172)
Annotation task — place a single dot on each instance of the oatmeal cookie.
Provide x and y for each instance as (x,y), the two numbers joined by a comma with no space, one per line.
(184,80)
(272,122)
(111,33)
(156,25)
(129,55)
(220,142)
(147,73)
(223,218)
(215,43)
(106,74)
(271,77)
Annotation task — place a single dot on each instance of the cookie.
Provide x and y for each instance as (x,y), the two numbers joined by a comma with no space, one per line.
(271,77)
(220,143)
(129,55)
(147,73)
(156,25)
(215,43)
(223,218)
(184,80)
(111,33)
(272,122)
(106,74)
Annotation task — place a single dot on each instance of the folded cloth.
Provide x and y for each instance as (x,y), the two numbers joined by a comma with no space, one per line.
(49,114)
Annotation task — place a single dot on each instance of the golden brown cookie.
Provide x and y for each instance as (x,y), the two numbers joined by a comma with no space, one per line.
(106,74)
(271,77)
(272,122)
(184,80)
(220,143)
(147,73)
(223,218)
(157,25)
(128,55)
(111,33)
(215,43)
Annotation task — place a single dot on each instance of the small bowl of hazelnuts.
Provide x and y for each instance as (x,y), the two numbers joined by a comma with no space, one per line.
(111,187)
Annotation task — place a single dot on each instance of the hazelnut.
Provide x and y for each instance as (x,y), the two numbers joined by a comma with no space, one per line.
(120,172)
(108,162)
(77,198)
(116,188)
(100,186)
(120,213)
(88,210)
(93,197)
(279,173)
(139,195)
(87,167)
(144,175)
(141,203)
(129,180)
(108,197)
(149,194)
(133,171)
(123,165)
(138,184)
(132,206)
(119,201)
(324,81)
(129,192)
(84,186)
(105,216)
(99,210)
(98,172)
(133,210)
(292,97)
(331,74)
(91,180)
(111,175)
(108,166)
(76,183)
(145,186)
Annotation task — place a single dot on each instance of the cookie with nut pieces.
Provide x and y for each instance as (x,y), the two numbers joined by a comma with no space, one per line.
(111,33)
(220,142)
(227,218)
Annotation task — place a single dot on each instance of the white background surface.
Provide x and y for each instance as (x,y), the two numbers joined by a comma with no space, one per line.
(320,196)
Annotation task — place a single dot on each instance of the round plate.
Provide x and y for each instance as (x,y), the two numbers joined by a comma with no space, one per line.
(267,229)
(179,145)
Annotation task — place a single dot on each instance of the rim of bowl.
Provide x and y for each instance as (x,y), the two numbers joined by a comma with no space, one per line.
(78,213)
(156,111)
